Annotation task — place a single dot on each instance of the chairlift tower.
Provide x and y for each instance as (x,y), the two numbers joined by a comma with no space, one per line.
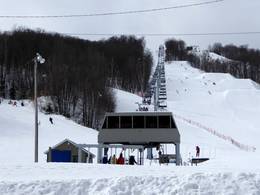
(157,84)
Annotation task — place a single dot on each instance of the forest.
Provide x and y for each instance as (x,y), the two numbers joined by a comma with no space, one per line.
(242,62)
(78,75)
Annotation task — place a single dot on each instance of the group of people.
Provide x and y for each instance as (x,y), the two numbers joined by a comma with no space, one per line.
(143,108)
(119,161)
(14,103)
(147,101)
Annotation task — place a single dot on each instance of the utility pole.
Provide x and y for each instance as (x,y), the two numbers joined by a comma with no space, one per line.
(36,112)
(41,60)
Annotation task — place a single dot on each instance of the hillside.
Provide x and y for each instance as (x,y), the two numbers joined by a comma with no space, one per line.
(97,65)
(202,103)
(215,102)
(17,133)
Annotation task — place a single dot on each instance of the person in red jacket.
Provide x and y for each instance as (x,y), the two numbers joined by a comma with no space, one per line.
(120,160)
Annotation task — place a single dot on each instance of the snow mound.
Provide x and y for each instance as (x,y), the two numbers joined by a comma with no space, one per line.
(112,179)
(199,183)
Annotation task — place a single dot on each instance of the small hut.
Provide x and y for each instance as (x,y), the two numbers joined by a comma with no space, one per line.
(69,151)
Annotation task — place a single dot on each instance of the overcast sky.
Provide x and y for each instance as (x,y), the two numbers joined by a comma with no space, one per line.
(227,16)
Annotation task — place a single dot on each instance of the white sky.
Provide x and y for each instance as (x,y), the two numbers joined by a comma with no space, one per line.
(227,16)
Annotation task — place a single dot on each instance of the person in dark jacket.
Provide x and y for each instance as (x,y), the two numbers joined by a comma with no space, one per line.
(197,151)
(105,160)
(51,120)
(132,160)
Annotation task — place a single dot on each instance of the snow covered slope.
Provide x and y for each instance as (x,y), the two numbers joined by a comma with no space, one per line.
(125,101)
(215,56)
(17,133)
(217,112)
(213,110)
(211,56)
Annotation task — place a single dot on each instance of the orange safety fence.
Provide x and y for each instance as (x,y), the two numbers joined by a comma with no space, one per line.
(216,133)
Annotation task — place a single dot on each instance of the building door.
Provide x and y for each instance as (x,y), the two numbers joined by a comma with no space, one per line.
(61,156)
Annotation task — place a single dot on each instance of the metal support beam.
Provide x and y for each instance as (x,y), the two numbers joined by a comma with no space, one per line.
(99,155)
(88,159)
(79,155)
(49,155)
(178,155)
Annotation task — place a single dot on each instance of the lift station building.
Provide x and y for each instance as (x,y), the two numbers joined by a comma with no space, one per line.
(141,130)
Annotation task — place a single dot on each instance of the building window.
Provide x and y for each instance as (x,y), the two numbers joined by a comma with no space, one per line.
(173,125)
(164,121)
(138,121)
(113,122)
(151,122)
(126,122)
(105,124)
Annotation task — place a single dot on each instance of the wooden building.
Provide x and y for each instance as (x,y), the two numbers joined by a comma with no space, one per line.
(69,151)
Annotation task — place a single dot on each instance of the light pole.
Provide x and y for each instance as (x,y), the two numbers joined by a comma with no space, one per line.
(41,60)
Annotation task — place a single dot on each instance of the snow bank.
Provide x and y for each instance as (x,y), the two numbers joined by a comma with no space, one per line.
(94,179)
(199,183)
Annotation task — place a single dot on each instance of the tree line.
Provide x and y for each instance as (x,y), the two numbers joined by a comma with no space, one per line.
(242,62)
(78,75)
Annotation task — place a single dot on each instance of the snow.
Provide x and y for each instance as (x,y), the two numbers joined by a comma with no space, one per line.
(210,110)
(125,101)
(229,107)
(116,179)
(215,56)
(211,56)
(17,133)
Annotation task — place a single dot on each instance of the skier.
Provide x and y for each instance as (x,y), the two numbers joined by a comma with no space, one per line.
(197,151)
(51,120)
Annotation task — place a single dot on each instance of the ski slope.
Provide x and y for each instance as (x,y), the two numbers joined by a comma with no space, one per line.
(198,100)
(211,56)
(221,103)
(17,133)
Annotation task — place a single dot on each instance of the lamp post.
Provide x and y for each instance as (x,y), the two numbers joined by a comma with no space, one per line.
(41,60)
